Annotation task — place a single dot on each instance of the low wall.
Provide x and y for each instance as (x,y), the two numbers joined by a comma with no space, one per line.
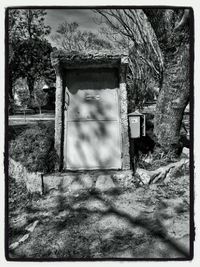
(69,182)
(88,180)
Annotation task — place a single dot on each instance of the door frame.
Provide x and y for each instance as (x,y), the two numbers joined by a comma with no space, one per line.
(62,62)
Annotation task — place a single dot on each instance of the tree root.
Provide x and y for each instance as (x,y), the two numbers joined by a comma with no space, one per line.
(161,174)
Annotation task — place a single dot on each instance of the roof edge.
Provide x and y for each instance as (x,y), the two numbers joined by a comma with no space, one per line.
(74,58)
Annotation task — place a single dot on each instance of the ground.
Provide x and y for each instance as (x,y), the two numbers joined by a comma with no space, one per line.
(112,224)
(118,223)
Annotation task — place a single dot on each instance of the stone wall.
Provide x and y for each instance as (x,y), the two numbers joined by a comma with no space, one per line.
(70,182)
(124,117)
(62,62)
(88,180)
(59,114)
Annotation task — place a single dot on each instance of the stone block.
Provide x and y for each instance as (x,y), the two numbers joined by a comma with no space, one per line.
(57,182)
(105,183)
(87,181)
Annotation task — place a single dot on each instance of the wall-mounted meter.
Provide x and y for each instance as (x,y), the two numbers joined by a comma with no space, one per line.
(137,124)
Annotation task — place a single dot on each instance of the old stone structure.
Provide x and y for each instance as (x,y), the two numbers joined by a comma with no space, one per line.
(91,125)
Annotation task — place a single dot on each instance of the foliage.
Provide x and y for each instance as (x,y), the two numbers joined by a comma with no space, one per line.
(134,25)
(170,26)
(13,37)
(69,37)
(131,31)
(18,196)
(119,42)
(33,60)
(34,148)
(29,52)
(22,96)
(141,88)
(160,50)
(40,97)
(11,105)
(15,130)
(21,92)
(24,24)
(27,23)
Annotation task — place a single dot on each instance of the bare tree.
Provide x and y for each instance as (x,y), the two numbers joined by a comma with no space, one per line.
(70,38)
(134,25)
(144,70)
(161,39)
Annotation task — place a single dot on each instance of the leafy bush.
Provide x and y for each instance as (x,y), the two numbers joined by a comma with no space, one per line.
(34,148)
(18,195)
(15,130)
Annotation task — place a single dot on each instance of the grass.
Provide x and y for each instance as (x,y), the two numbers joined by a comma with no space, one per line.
(33,146)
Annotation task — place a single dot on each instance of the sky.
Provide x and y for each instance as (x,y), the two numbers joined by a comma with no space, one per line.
(84,17)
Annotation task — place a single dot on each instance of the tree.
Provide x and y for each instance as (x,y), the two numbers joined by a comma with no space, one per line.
(120,42)
(69,37)
(22,93)
(33,59)
(40,97)
(173,35)
(161,39)
(145,59)
(13,38)
(29,51)
(27,24)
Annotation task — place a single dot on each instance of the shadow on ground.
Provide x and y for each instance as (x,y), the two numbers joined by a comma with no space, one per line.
(142,222)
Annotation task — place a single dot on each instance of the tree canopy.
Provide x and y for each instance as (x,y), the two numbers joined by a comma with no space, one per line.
(160,47)
(29,51)
(70,38)
(27,23)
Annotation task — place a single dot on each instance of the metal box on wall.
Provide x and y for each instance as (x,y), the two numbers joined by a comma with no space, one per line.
(137,124)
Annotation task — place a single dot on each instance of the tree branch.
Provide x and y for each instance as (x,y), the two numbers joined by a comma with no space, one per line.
(183,20)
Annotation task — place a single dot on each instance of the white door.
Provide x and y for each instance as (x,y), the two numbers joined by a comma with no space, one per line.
(92,132)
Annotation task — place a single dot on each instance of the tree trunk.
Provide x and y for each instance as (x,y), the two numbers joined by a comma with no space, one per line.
(172,28)
(163,173)
(173,97)
(10,87)
(30,83)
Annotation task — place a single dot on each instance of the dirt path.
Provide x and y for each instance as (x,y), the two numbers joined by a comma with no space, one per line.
(84,225)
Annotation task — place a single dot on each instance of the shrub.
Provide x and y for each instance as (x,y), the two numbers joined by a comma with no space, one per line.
(18,196)
(34,148)
(15,130)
